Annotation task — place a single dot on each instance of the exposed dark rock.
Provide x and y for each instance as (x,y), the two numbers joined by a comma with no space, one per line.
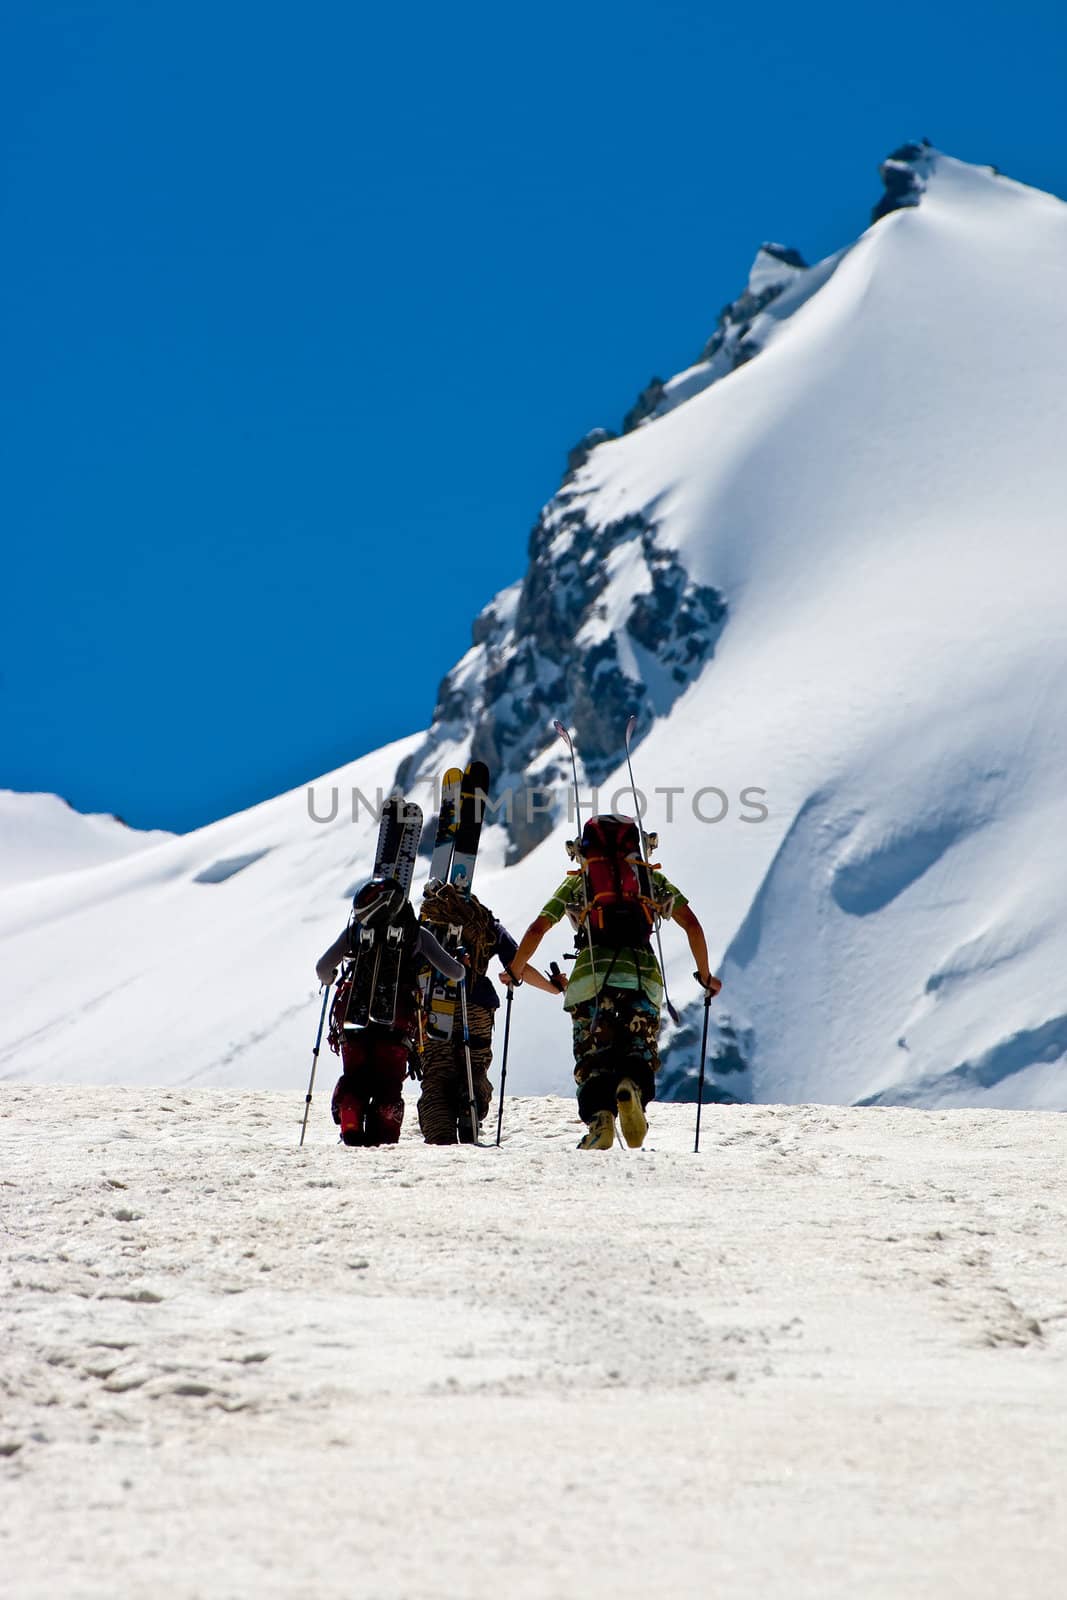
(773,269)
(736,319)
(727,1078)
(904,173)
(730,346)
(785,254)
(579,455)
(647,403)
(548,652)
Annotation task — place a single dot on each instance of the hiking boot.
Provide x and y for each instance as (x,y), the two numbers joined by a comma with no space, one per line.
(632,1119)
(350,1116)
(601,1135)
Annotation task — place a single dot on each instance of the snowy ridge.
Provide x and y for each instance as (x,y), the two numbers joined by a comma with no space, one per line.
(835,573)
(41,835)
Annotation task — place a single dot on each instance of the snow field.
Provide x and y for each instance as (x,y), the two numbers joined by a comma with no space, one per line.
(825,1357)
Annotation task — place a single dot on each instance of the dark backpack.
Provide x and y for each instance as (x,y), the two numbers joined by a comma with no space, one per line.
(378,984)
(619,906)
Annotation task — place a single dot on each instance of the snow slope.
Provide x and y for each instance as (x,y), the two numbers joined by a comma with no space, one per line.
(835,573)
(40,835)
(823,1359)
(191,962)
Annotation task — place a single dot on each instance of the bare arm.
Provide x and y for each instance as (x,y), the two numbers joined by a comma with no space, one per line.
(529,942)
(530,975)
(520,966)
(688,921)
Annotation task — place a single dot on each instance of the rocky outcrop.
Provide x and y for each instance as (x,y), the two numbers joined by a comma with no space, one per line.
(727,1075)
(547,648)
(904,173)
(774,269)
(647,404)
(579,454)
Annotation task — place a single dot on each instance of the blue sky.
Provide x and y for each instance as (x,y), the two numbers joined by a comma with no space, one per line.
(303,307)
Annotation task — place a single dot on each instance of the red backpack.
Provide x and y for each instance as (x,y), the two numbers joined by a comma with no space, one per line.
(619,903)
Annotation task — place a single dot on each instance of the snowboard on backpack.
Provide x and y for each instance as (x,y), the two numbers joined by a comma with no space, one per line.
(383,929)
(399,833)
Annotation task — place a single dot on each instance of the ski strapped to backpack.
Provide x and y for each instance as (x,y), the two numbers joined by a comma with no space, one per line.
(447,822)
(447,907)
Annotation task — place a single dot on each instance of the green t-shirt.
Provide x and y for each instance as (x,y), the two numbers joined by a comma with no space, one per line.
(627,968)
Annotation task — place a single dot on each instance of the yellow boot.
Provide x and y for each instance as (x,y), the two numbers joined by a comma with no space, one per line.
(601,1135)
(632,1119)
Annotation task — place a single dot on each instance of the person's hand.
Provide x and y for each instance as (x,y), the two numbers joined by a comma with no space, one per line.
(710,984)
(508,978)
(558,978)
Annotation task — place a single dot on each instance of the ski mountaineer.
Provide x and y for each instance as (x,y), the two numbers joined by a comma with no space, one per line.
(373,1019)
(444,1114)
(614,901)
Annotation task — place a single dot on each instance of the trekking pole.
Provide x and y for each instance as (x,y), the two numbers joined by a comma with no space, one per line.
(314,1064)
(467,1054)
(630,726)
(504,1058)
(703,1058)
(569,742)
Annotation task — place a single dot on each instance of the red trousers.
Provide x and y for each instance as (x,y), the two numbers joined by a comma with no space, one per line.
(368,1101)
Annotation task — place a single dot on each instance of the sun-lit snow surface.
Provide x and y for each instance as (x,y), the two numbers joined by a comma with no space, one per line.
(193,961)
(824,1358)
(879,498)
(41,835)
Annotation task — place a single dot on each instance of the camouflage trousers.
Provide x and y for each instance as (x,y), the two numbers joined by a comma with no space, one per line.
(443,1114)
(615,1037)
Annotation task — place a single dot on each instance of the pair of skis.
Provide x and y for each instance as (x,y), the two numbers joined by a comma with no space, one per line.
(459,828)
(459,825)
(455,851)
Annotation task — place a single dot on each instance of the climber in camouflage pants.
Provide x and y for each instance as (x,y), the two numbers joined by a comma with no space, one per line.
(444,1116)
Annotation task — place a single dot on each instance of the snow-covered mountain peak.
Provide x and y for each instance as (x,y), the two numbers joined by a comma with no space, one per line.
(826,564)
